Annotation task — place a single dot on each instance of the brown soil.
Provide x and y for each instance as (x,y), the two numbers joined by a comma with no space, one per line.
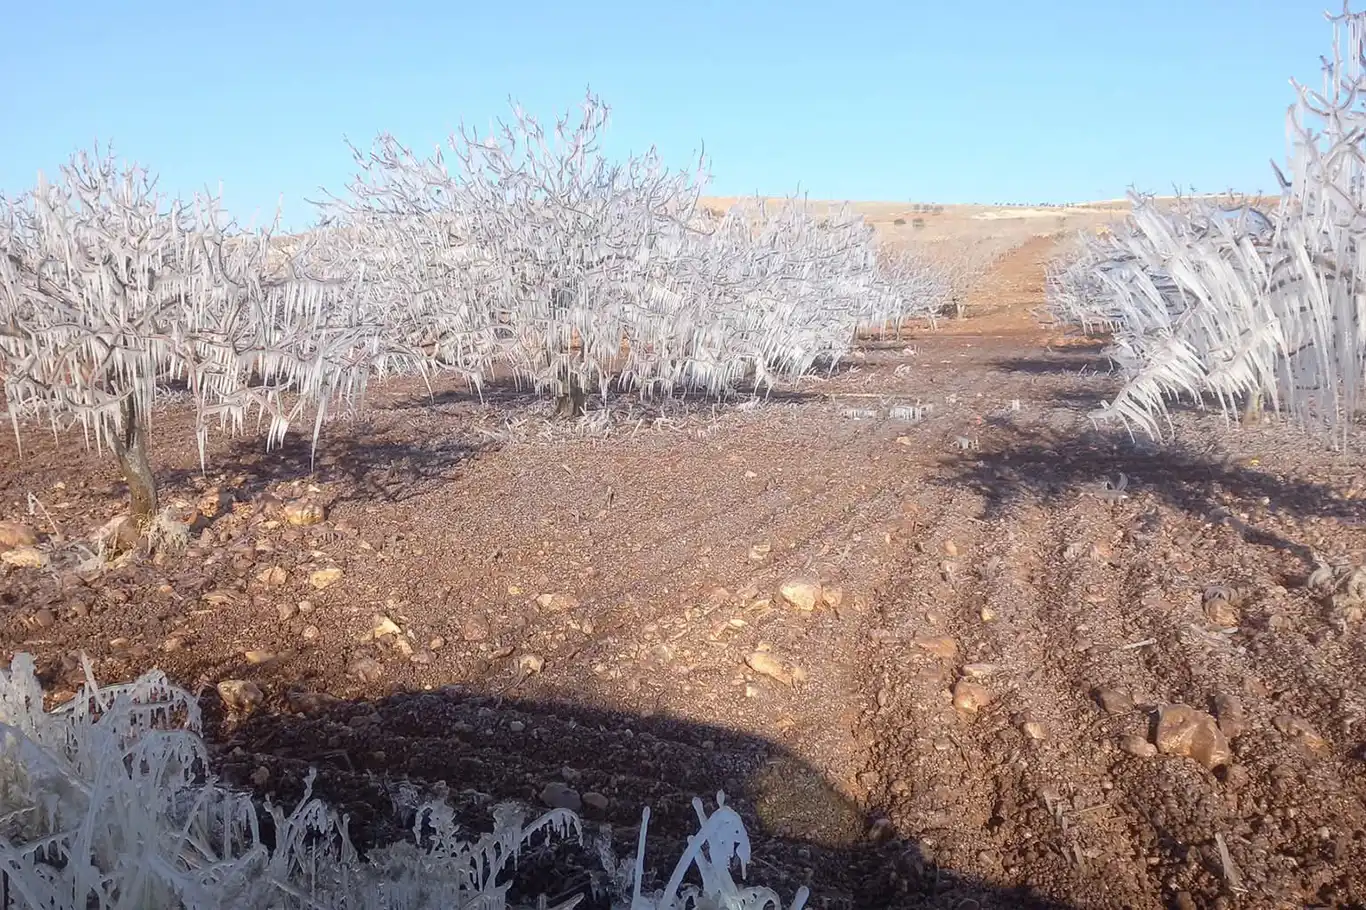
(988,523)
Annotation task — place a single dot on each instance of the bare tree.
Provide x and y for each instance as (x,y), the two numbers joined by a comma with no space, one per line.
(109,292)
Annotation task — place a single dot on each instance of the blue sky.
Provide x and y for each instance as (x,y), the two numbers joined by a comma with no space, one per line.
(948,101)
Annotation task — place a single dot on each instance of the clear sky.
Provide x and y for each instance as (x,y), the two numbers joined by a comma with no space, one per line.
(925,100)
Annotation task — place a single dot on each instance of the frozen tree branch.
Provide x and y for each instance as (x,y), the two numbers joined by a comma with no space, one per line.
(1233,304)
(531,253)
(535,253)
(108,293)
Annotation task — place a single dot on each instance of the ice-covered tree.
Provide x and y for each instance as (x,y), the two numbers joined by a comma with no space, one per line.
(1235,304)
(111,294)
(536,252)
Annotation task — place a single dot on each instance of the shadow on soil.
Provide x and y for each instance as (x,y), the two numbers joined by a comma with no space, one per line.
(1050,467)
(359,464)
(372,757)
(517,401)
(1080,361)
(1092,376)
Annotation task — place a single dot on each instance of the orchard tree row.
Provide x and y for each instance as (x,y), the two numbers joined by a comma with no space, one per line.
(1237,302)
(525,253)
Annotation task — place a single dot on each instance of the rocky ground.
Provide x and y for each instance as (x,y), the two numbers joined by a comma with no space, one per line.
(943,642)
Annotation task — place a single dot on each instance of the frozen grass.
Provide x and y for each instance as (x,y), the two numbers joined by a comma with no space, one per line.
(106,802)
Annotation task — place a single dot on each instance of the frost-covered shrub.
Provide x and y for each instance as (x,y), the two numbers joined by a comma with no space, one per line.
(1235,304)
(108,293)
(537,253)
(106,802)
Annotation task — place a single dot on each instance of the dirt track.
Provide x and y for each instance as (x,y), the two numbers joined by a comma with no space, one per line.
(987,524)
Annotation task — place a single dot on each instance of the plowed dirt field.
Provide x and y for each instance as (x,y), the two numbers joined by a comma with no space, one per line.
(1008,609)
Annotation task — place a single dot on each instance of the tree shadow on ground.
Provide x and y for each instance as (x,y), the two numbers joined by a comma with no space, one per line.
(1075,361)
(374,759)
(891,342)
(359,465)
(1047,467)
(1096,377)
(516,401)
(1080,376)
(1086,394)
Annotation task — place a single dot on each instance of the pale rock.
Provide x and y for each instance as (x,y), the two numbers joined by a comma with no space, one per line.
(13,534)
(803,594)
(240,694)
(366,669)
(1231,714)
(272,577)
(383,626)
(765,664)
(970,697)
(941,646)
(1298,728)
(1182,730)
(556,603)
(213,504)
(1221,613)
(119,534)
(24,558)
(557,795)
(304,512)
(1113,701)
(1137,746)
(325,578)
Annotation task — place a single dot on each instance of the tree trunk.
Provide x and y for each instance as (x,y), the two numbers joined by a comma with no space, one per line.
(574,402)
(130,448)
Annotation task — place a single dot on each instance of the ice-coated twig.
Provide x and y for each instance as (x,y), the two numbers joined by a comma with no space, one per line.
(1233,303)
